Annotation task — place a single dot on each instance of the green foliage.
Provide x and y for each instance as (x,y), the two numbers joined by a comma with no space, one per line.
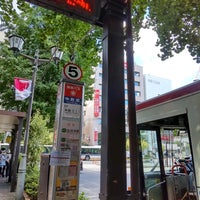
(42,29)
(32,182)
(38,136)
(1,137)
(175,21)
(176,132)
(144,144)
(82,196)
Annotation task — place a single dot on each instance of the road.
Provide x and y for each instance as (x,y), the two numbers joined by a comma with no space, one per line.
(90,180)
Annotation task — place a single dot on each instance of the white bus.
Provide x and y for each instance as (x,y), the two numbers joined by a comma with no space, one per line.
(170,126)
(91,152)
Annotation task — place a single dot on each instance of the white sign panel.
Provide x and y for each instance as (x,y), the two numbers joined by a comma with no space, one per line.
(60,159)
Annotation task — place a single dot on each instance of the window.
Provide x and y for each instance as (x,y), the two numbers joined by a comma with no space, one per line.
(137,74)
(137,83)
(137,93)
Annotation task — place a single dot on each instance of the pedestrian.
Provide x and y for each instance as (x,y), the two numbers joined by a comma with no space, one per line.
(2,162)
(8,158)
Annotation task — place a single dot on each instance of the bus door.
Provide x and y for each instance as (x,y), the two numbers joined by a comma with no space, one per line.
(166,159)
(154,179)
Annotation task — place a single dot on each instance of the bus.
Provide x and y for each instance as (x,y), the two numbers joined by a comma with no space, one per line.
(169,125)
(91,152)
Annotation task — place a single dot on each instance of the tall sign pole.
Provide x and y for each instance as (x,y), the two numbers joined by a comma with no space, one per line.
(65,156)
(113,157)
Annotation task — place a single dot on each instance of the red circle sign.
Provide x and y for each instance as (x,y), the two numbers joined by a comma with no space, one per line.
(72,71)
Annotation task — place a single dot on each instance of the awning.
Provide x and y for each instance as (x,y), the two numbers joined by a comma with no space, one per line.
(9,120)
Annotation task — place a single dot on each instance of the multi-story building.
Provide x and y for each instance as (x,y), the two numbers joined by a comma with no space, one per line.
(155,86)
(92,110)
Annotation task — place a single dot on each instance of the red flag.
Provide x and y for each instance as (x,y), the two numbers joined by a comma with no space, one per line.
(22,88)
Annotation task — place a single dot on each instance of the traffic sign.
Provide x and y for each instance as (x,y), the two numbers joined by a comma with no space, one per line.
(72,71)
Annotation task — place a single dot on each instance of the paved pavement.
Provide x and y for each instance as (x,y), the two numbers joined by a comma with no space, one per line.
(5,193)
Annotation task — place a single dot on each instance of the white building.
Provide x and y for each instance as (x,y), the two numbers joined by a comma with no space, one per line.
(155,86)
(92,110)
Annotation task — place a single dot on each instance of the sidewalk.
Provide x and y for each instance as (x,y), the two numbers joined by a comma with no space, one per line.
(5,193)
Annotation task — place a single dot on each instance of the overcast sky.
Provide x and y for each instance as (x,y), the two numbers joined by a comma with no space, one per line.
(181,69)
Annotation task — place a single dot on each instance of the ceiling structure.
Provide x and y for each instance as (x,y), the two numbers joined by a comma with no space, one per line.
(9,120)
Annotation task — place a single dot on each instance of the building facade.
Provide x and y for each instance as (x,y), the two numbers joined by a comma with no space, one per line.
(155,86)
(92,110)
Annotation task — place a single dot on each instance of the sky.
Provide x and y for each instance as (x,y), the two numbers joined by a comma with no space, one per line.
(180,69)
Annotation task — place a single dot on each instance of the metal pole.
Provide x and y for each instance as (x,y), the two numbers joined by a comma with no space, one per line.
(22,166)
(113,159)
(35,68)
(133,135)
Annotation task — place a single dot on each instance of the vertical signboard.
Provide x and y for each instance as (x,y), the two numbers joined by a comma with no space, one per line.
(65,157)
(96,103)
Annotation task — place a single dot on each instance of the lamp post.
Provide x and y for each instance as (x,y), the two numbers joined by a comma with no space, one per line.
(16,44)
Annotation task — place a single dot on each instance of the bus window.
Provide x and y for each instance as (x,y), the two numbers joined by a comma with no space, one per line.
(150,159)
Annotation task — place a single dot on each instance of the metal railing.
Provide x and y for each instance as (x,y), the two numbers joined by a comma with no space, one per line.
(148,194)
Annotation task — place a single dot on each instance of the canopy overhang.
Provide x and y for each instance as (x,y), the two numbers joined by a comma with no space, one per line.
(9,120)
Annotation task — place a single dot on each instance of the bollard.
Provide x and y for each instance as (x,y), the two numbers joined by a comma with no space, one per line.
(21,178)
(44,177)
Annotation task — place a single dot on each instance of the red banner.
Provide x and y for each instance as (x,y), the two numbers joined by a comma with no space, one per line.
(22,88)
(96,103)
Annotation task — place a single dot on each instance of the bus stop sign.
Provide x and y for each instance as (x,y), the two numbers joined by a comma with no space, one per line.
(85,10)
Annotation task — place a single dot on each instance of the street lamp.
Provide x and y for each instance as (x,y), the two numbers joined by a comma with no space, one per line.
(16,44)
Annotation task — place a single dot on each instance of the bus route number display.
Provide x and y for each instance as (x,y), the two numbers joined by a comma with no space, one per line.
(85,10)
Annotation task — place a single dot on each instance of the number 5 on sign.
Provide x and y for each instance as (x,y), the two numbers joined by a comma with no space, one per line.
(72,71)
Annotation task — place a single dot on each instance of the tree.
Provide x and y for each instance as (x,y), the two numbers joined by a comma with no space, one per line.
(41,29)
(38,137)
(177,23)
